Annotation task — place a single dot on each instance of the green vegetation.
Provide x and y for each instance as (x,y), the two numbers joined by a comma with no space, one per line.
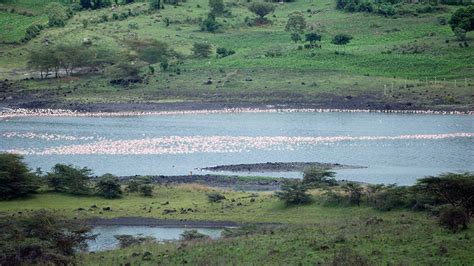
(419,63)
(15,177)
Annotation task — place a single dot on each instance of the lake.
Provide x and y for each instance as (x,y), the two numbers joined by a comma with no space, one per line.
(396,148)
(105,235)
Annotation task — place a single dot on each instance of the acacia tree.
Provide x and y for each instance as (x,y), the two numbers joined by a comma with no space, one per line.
(69,179)
(342,39)
(296,23)
(455,189)
(314,177)
(15,177)
(261,9)
(109,187)
(293,193)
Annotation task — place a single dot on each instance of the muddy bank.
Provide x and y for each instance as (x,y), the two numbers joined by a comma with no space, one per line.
(279,167)
(219,181)
(146,221)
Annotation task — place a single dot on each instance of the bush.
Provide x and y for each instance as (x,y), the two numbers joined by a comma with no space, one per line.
(215,197)
(193,235)
(210,24)
(224,52)
(41,239)
(32,31)
(146,190)
(155,4)
(129,240)
(391,198)
(332,198)
(348,256)
(57,15)
(454,219)
(293,193)
(109,187)
(15,177)
(201,50)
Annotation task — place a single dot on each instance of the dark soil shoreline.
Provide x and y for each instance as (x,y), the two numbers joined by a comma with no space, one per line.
(148,221)
(278,167)
(31,103)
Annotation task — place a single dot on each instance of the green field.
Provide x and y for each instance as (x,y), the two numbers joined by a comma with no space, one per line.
(379,65)
(306,234)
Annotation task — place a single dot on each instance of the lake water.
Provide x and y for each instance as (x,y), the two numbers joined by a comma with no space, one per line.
(106,240)
(396,148)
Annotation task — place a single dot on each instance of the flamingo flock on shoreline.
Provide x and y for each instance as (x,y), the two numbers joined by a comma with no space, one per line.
(214,144)
(18,113)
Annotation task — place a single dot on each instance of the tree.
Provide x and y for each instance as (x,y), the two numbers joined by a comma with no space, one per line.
(312,38)
(341,39)
(296,23)
(41,238)
(57,14)
(261,9)
(355,193)
(217,7)
(15,177)
(463,18)
(202,50)
(455,189)
(109,187)
(155,4)
(296,37)
(69,179)
(315,177)
(293,193)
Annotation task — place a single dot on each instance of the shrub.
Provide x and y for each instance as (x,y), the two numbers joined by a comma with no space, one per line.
(215,197)
(202,50)
(296,23)
(316,177)
(391,198)
(463,18)
(348,256)
(332,198)
(57,15)
(15,177)
(146,190)
(210,24)
(454,219)
(193,235)
(33,31)
(293,193)
(460,34)
(312,38)
(217,7)
(129,240)
(223,52)
(40,239)
(109,187)
(155,4)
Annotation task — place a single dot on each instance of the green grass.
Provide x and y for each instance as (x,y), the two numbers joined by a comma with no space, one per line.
(309,234)
(313,76)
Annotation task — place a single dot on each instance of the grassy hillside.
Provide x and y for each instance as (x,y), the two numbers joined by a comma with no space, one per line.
(405,61)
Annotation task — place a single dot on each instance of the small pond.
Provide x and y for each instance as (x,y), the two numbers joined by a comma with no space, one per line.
(106,240)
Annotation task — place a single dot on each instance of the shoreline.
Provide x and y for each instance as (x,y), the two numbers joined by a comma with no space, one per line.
(10,113)
(156,222)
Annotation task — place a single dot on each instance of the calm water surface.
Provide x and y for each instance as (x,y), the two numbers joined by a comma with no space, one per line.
(396,148)
(106,240)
